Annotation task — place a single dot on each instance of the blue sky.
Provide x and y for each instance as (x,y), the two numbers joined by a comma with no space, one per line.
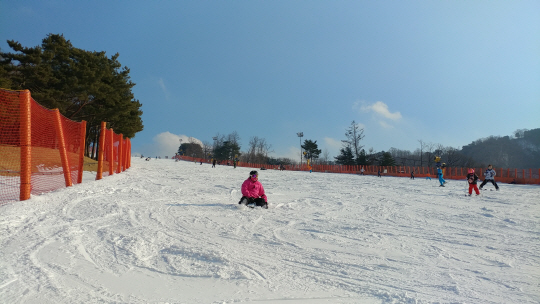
(446,72)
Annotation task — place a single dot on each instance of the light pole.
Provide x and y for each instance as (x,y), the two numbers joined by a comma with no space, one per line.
(215,142)
(300,135)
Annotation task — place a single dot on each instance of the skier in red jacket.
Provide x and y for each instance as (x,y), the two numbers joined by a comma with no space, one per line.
(472,178)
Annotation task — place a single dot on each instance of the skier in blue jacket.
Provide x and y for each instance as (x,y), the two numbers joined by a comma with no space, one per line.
(440,174)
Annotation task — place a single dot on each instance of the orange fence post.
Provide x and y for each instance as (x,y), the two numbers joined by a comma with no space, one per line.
(99,174)
(26,145)
(81,151)
(111,151)
(62,147)
(119,168)
(129,153)
(124,158)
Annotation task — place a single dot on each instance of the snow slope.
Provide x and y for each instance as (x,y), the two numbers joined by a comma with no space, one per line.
(171,232)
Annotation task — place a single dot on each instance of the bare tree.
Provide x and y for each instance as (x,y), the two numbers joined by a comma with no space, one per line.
(258,150)
(453,157)
(250,155)
(403,157)
(428,151)
(520,133)
(207,148)
(263,149)
(234,138)
(422,147)
(354,135)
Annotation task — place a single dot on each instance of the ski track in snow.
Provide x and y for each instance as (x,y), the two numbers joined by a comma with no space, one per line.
(172,232)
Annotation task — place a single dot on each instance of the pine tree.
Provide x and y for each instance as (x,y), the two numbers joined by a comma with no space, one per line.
(227,150)
(387,159)
(362,159)
(83,85)
(191,149)
(310,148)
(346,157)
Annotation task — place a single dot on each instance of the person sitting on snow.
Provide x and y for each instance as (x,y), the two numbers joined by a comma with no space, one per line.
(253,191)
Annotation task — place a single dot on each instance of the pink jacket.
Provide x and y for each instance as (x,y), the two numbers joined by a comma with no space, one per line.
(253,189)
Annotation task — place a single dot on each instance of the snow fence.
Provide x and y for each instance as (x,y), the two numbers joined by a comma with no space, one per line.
(42,150)
(505,175)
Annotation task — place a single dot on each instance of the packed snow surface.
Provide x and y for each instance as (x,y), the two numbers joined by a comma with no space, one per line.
(172,232)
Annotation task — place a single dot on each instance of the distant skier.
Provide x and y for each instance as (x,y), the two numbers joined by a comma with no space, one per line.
(412,174)
(362,171)
(440,175)
(489,177)
(253,191)
(213,163)
(472,179)
(379,173)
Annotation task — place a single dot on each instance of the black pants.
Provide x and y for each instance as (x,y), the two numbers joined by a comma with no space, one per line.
(257,201)
(489,180)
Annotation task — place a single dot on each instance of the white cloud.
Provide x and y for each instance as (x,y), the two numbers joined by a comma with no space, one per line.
(379,108)
(165,144)
(332,143)
(293,153)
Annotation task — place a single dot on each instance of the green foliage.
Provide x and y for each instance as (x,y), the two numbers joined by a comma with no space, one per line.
(83,85)
(346,157)
(532,137)
(310,147)
(362,159)
(226,151)
(387,159)
(522,152)
(191,149)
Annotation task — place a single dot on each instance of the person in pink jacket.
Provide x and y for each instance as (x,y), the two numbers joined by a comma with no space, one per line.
(253,191)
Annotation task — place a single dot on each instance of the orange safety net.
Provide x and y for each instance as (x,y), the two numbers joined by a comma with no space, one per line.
(9,145)
(40,150)
(49,129)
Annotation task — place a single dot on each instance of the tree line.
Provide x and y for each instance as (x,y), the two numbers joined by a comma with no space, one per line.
(520,151)
(83,85)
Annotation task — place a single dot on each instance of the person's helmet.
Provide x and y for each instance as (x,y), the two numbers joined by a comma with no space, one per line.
(254,172)
(471,170)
